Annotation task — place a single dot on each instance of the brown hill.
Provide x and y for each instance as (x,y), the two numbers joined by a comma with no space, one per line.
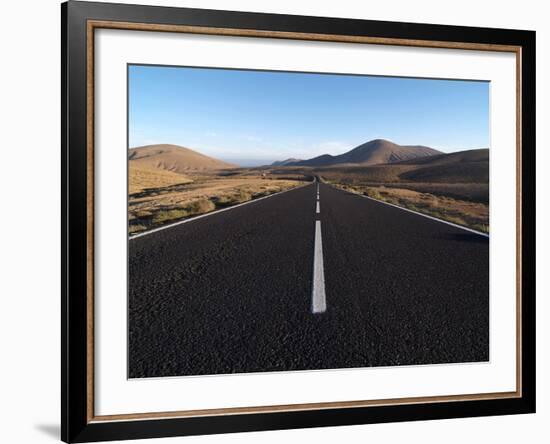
(470,166)
(476,155)
(461,175)
(378,151)
(174,158)
(142,178)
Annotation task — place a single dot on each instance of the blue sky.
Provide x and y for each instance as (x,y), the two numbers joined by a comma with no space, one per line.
(255,117)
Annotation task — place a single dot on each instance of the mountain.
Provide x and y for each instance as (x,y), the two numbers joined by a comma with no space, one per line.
(285,162)
(467,167)
(174,158)
(462,175)
(376,151)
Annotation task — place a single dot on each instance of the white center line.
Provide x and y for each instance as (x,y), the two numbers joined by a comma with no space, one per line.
(317,210)
(318,298)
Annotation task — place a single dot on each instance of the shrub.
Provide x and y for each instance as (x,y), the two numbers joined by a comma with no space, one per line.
(191,209)
(200,207)
(371,192)
(136,228)
(242,196)
(166,215)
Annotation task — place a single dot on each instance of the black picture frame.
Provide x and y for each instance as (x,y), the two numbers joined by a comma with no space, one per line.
(76,423)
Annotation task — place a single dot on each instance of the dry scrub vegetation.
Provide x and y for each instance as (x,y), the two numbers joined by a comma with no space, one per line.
(452,187)
(470,214)
(142,178)
(152,204)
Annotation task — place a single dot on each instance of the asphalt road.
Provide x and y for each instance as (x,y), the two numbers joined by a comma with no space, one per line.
(233,292)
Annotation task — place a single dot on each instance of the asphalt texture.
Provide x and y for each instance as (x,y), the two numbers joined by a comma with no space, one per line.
(232,292)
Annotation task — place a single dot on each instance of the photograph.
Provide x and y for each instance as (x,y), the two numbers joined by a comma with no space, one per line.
(290,221)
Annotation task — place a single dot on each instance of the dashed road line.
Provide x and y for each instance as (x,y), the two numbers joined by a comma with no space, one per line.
(318,297)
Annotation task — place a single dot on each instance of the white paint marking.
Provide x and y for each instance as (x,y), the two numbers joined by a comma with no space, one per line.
(165,227)
(317,209)
(318,297)
(423,215)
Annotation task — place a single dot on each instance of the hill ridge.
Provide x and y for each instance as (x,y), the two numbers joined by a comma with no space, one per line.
(174,158)
(373,152)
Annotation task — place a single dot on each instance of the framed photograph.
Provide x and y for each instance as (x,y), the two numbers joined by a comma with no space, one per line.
(275,221)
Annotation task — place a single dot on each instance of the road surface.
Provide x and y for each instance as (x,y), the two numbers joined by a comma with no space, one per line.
(312,278)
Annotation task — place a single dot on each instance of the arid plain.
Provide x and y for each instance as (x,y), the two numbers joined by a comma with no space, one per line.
(168,183)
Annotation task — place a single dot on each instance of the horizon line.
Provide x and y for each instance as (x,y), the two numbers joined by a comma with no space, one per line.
(277,159)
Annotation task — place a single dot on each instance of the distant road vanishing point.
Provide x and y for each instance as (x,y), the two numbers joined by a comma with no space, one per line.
(311,278)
